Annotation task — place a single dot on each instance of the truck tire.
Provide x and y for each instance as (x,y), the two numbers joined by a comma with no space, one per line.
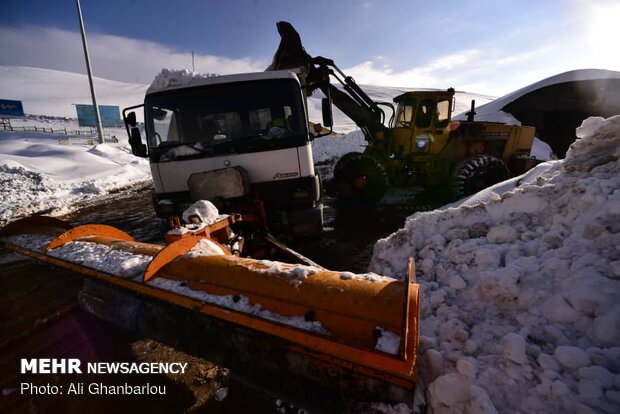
(360,179)
(476,173)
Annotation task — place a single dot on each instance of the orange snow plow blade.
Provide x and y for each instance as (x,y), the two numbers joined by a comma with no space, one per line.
(360,331)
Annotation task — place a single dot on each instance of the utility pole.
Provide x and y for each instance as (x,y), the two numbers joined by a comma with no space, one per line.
(90,75)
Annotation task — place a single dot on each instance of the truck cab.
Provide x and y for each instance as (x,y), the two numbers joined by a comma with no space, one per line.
(247,131)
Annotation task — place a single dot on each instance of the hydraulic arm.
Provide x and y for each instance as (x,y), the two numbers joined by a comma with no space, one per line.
(351,99)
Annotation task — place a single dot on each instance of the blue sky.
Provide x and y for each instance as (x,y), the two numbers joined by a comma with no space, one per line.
(485,46)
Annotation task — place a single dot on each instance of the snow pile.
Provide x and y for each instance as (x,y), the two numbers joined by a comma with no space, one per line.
(239,303)
(38,174)
(542,151)
(521,295)
(332,147)
(221,394)
(204,210)
(205,247)
(388,342)
(173,78)
(35,242)
(103,258)
(295,272)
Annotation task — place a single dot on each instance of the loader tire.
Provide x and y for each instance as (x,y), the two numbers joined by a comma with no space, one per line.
(476,173)
(360,179)
(343,161)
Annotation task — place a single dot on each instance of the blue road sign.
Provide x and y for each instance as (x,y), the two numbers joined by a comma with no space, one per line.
(11,108)
(110,116)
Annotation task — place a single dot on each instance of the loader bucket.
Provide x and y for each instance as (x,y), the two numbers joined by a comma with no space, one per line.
(356,335)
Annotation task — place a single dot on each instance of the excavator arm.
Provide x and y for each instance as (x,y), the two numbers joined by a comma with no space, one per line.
(350,99)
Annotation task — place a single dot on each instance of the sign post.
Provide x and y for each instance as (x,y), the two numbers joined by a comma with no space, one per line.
(90,75)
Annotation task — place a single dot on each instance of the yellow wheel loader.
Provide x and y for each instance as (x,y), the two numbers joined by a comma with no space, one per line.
(419,144)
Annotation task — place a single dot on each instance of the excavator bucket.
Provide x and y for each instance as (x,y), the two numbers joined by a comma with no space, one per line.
(349,334)
(290,53)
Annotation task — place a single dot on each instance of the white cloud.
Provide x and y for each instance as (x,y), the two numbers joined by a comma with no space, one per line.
(434,74)
(488,70)
(112,57)
(499,66)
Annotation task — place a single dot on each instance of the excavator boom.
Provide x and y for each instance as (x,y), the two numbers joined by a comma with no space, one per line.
(351,99)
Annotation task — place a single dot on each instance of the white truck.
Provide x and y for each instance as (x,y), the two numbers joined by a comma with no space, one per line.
(231,139)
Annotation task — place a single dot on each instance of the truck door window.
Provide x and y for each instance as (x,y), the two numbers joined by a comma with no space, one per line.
(164,126)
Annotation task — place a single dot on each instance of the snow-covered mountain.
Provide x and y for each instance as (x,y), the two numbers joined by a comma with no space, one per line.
(53,93)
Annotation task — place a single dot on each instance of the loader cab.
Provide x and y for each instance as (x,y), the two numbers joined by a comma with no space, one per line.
(421,122)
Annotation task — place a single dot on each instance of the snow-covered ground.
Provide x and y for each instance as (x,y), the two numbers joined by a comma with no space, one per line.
(54,174)
(521,290)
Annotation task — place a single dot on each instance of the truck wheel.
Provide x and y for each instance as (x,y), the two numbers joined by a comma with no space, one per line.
(476,173)
(360,179)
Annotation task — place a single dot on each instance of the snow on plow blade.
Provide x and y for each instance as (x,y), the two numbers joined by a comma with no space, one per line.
(356,335)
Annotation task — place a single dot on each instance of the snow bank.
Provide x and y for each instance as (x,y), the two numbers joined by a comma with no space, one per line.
(204,210)
(520,294)
(331,147)
(173,79)
(38,174)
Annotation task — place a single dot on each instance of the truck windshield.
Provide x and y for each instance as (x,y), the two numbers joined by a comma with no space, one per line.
(226,118)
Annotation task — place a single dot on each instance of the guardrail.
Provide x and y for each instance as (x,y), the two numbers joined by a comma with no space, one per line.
(90,133)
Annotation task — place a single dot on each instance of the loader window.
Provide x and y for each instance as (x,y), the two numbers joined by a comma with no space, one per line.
(443,114)
(424,115)
(404,114)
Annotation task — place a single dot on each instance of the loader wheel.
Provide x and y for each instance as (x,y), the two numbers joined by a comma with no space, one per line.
(360,179)
(343,160)
(476,173)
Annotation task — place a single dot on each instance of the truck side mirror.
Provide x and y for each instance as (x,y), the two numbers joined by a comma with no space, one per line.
(135,141)
(326,107)
(130,119)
